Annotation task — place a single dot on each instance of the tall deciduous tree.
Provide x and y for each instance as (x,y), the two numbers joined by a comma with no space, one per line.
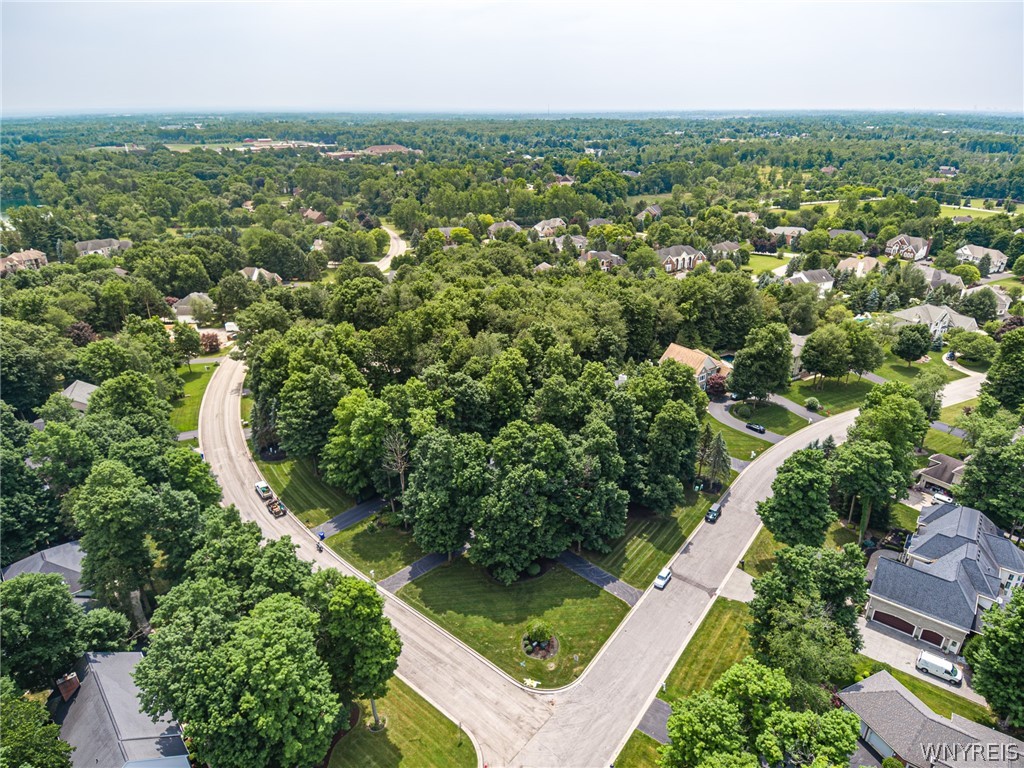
(996,657)
(893,415)
(1005,382)
(866,354)
(31,740)
(352,457)
(798,511)
(672,446)
(862,470)
(827,352)
(186,343)
(912,342)
(764,363)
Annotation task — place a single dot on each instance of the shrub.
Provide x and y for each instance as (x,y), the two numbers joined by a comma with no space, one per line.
(533,569)
(891,762)
(539,632)
(742,411)
(210,342)
(813,404)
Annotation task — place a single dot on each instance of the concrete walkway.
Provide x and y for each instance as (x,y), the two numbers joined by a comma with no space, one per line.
(944,427)
(738,464)
(192,434)
(719,412)
(800,410)
(424,565)
(350,517)
(739,587)
(627,593)
(874,378)
(655,721)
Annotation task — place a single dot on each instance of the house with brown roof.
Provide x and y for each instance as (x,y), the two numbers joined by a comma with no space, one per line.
(579,242)
(908,247)
(500,225)
(787,234)
(598,222)
(727,249)
(704,365)
(606,259)
(942,473)
(387,149)
(936,277)
(828,170)
(30,259)
(858,266)
(257,274)
(314,216)
(654,211)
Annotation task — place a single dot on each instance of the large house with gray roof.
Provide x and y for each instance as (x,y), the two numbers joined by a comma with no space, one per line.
(973,254)
(939,319)
(957,565)
(895,723)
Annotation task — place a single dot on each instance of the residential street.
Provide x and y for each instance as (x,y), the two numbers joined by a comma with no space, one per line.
(579,725)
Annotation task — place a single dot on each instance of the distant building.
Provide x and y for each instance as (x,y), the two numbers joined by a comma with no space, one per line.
(314,216)
(939,319)
(64,559)
(579,242)
(973,254)
(256,274)
(1003,300)
(631,174)
(599,222)
(542,267)
(680,258)
(834,233)
(942,473)
(704,365)
(548,227)
(726,249)
(937,277)
(79,392)
(789,234)
(908,247)
(749,215)
(30,259)
(185,307)
(499,225)
(654,211)
(858,266)
(963,219)
(387,149)
(948,170)
(606,259)
(828,170)
(103,247)
(819,277)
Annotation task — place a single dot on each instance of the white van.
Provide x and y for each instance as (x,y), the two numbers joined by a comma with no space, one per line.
(938,666)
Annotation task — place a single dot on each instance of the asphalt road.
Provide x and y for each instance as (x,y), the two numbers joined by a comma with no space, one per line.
(586,723)
(398,246)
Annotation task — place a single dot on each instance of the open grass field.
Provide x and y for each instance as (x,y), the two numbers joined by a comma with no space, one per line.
(720,641)
(416,736)
(951,413)
(641,751)
(942,701)
(760,263)
(185,410)
(775,418)
(741,444)
(975,213)
(904,517)
(943,442)
(294,481)
(492,618)
(650,541)
(760,556)
(896,369)
(368,547)
(834,396)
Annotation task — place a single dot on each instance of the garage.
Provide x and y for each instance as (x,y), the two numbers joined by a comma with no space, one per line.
(893,621)
(931,636)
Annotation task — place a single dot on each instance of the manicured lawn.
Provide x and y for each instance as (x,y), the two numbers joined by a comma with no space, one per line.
(774,417)
(650,541)
(741,444)
(246,407)
(185,413)
(659,197)
(760,557)
(839,535)
(492,618)
(951,413)
(641,751)
(369,547)
(943,442)
(975,213)
(1008,282)
(720,641)
(761,263)
(416,736)
(224,351)
(835,396)
(942,701)
(979,366)
(904,517)
(896,369)
(306,495)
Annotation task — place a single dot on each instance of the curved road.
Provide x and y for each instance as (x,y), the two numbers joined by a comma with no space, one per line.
(397,248)
(586,723)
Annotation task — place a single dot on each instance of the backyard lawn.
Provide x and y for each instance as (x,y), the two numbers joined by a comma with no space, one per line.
(943,442)
(641,751)
(185,413)
(774,417)
(650,540)
(306,495)
(838,535)
(720,641)
(761,263)
(492,618)
(741,444)
(951,413)
(904,517)
(896,369)
(416,735)
(760,557)
(1008,282)
(834,395)
(369,547)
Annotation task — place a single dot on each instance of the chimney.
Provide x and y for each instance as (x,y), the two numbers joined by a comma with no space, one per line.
(67,685)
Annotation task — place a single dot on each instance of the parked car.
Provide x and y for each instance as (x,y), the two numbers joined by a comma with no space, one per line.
(940,668)
(263,490)
(756,428)
(663,578)
(942,498)
(714,513)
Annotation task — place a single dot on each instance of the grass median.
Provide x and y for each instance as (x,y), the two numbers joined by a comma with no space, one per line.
(720,641)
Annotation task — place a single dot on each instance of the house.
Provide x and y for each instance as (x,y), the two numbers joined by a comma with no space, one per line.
(955,566)
(579,242)
(542,267)
(185,307)
(798,343)
(858,266)
(895,723)
(30,259)
(499,225)
(1003,299)
(834,233)
(819,277)
(942,473)
(749,215)
(548,227)
(79,392)
(973,254)
(907,247)
(704,365)
(726,249)
(563,181)
(598,222)
(828,170)
(939,319)
(680,258)
(789,234)
(98,713)
(103,247)
(249,205)
(963,219)
(936,277)
(314,216)
(630,174)
(256,274)
(607,259)
(64,559)
(948,171)
(654,211)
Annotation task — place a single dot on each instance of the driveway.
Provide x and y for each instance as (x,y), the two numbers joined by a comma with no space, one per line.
(900,651)
(720,412)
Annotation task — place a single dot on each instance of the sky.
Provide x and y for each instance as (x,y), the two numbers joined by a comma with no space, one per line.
(559,56)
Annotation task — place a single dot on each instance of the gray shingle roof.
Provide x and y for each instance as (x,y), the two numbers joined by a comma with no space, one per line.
(924,593)
(64,559)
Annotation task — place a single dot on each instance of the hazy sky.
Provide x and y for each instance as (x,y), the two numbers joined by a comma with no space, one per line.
(558,56)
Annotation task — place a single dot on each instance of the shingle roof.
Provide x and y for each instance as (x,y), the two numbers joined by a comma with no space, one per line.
(816,276)
(923,593)
(79,391)
(693,358)
(930,313)
(64,560)
(725,245)
(675,251)
(942,468)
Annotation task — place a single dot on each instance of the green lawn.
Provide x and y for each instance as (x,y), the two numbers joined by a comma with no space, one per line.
(416,736)
(761,263)
(776,418)
(720,641)
(246,407)
(224,351)
(941,701)
(760,556)
(1008,282)
(951,413)
(641,751)
(492,618)
(185,413)
(651,199)
(834,395)
(937,441)
(650,541)
(975,213)
(740,444)
(896,369)
(370,547)
(306,495)
(838,535)
(978,366)
(904,517)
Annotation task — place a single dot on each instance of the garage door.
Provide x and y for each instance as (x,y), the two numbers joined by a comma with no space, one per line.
(893,621)
(932,637)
